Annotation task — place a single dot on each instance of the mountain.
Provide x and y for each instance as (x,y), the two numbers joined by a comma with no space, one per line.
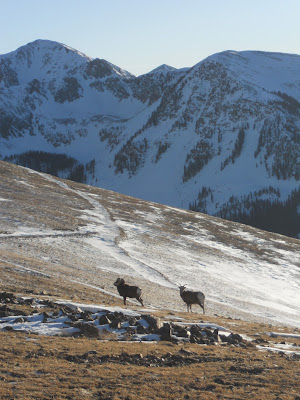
(222,137)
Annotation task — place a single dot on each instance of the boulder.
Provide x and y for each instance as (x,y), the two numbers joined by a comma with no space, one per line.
(115,324)
(86,329)
(104,320)
(154,323)
(165,332)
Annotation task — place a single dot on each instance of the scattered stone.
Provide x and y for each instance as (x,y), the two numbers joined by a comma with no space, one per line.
(219,381)
(154,323)
(260,340)
(7,297)
(165,332)
(104,320)
(132,321)
(181,331)
(28,302)
(131,326)
(115,324)
(45,317)
(140,330)
(86,329)
(8,328)
(20,320)
(86,315)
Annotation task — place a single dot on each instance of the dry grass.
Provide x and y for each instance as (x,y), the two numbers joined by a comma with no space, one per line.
(36,367)
(21,282)
(44,368)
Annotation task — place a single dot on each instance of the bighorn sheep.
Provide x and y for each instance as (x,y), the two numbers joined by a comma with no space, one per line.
(128,291)
(190,297)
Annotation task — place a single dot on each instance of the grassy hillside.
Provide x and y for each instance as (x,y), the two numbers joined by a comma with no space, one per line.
(61,240)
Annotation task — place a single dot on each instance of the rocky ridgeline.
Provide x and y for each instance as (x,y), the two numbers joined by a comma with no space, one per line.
(107,324)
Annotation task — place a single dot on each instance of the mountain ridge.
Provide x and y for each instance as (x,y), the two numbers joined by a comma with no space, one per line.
(206,137)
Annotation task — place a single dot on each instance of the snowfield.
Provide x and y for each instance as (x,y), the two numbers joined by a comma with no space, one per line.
(245,273)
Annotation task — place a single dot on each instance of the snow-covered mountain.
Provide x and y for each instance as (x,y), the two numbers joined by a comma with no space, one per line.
(222,137)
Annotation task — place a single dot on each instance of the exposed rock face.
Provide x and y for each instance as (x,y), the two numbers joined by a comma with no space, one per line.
(70,91)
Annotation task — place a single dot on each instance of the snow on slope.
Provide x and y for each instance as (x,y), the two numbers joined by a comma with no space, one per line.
(244,272)
(165,135)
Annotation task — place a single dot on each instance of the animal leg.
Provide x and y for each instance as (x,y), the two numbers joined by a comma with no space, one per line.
(141,301)
(124,300)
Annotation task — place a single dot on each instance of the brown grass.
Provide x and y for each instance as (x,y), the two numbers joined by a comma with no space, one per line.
(36,367)
(44,368)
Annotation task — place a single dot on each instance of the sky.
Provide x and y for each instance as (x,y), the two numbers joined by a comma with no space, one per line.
(140,35)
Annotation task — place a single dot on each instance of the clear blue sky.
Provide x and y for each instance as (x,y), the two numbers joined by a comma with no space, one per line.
(140,35)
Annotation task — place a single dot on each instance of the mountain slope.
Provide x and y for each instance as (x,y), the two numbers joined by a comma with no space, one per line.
(220,138)
(89,236)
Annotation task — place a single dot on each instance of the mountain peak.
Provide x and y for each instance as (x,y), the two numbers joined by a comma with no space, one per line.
(44,45)
(164,68)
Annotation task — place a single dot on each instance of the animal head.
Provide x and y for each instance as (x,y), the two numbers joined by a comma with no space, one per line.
(182,288)
(119,281)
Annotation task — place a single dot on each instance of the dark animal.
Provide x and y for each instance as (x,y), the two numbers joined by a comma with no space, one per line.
(190,297)
(128,291)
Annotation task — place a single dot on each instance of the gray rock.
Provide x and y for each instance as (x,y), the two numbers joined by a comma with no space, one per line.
(104,320)
(86,329)
(154,323)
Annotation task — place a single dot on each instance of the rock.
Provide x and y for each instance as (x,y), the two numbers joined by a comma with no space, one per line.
(154,323)
(233,338)
(8,312)
(120,316)
(8,328)
(48,303)
(260,340)
(86,315)
(140,330)
(103,320)
(4,314)
(132,321)
(20,320)
(184,352)
(181,331)
(111,316)
(28,302)
(45,317)
(86,329)
(115,324)
(7,297)
(196,331)
(207,332)
(165,332)
(72,317)
(236,336)
(219,381)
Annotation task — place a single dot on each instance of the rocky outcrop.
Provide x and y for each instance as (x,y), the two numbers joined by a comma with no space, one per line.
(102,323)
